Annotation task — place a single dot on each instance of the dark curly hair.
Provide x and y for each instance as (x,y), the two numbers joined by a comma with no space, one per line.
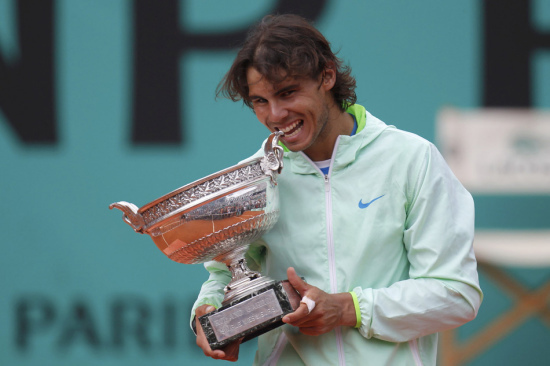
(282,46)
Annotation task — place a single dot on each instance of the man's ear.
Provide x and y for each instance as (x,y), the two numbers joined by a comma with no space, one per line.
(329,77)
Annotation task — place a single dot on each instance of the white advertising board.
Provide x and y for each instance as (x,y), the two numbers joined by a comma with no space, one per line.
(497,151)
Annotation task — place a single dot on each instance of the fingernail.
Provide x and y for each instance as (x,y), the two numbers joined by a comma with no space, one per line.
(210,308)
(285,319)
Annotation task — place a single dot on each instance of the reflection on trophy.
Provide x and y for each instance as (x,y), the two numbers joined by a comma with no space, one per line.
(217,218)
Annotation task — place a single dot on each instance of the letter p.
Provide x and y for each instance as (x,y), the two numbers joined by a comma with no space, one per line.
(32,315)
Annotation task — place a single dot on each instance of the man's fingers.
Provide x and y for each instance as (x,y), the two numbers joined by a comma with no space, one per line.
(216,354)
(297,315)
(229,354)
(204,309)
(232,350)
(300,285)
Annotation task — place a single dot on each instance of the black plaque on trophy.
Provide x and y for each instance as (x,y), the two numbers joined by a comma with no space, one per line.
(250,316)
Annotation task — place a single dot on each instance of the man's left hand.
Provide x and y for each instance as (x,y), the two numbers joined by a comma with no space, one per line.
(329,312)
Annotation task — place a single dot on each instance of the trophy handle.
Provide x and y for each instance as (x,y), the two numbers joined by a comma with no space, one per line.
(131,215)
(273,156)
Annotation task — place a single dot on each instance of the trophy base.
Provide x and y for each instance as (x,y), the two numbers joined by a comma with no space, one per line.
(250,316)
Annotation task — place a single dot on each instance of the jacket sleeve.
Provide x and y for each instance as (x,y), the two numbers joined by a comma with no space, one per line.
(442,291)
(212,291)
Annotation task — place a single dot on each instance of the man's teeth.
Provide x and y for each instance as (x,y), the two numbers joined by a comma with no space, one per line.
(293,129)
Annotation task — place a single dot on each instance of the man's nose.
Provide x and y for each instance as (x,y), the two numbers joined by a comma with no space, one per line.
(278,112)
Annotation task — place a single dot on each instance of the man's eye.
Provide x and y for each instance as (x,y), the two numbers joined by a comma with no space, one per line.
(258,101)
(287,93)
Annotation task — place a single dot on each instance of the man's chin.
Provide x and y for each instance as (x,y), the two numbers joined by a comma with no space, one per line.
(293,147)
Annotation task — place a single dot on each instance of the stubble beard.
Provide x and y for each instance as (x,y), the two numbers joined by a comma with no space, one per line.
(321,127)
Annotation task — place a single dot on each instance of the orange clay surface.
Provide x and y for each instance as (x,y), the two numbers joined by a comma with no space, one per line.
(188,232)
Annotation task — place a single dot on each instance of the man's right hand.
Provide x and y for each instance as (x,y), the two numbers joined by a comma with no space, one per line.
(228,353)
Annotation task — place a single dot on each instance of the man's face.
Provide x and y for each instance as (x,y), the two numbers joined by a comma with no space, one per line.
(298,107)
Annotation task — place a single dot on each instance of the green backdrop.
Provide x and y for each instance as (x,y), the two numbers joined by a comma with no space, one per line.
(79,287)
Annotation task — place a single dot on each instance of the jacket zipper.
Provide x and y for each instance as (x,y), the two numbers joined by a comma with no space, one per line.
(273,359)
(276,353)
(332,265)
(413,344)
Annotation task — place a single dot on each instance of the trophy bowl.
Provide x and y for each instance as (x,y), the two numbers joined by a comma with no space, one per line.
(217,218)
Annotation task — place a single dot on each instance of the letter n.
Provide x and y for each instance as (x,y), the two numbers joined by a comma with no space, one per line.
(27,86)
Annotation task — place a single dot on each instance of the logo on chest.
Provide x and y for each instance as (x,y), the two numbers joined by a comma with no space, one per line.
(365,205)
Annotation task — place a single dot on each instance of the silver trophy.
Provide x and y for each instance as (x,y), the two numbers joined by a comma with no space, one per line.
(217,218)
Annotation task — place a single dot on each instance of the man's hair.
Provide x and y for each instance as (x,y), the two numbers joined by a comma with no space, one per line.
(282,46)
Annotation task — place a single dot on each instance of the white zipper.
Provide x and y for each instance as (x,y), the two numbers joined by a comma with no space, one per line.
(413,344)
(330,238)
(277,351)
(330,247)
(332,264)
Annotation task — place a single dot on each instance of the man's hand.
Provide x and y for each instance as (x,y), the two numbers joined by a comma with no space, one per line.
(330,311)
(228,353)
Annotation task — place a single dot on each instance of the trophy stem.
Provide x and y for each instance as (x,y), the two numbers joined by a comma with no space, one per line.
(244,281)
(240,270)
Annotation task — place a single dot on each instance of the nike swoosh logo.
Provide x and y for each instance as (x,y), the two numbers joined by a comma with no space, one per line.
(365,205)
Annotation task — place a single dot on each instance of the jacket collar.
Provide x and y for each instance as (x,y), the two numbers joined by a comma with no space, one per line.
(346,148)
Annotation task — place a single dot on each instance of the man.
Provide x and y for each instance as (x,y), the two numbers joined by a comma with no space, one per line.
(371,216)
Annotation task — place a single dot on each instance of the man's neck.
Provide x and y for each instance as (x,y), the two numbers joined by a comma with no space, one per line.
(339,123)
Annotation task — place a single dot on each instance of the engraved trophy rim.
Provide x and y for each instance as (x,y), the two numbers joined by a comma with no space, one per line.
(170,210)
(192,195)
(196,183)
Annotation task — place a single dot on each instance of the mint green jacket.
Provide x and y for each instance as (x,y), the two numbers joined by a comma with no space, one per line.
(391,224)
